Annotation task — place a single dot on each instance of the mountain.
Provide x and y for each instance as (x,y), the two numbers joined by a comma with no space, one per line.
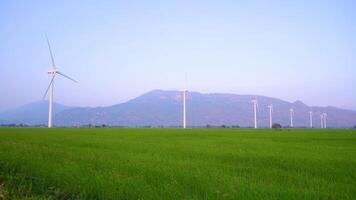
(151,109)
(164,108)
(32,114)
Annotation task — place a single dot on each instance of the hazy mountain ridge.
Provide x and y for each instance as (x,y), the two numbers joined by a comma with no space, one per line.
(33,113)
(160,107)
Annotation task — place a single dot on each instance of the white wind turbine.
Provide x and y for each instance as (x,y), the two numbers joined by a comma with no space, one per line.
(184,108)
(324,118)
(52,73)
(185,93)
(291,112)
(270,108)
(254,101)
(311,119)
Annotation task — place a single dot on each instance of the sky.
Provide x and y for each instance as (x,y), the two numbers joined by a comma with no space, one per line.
(118,50)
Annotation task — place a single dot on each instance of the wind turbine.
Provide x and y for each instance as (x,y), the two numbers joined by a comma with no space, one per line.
(270,107)
(324,118)
(184,108)
(311,119)
(291,112)
(52,73)
(254,101)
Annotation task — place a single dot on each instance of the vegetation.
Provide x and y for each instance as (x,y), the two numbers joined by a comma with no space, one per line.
(152,163)
(276,126)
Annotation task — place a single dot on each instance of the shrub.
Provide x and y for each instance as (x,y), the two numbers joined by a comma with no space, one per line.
(276,126)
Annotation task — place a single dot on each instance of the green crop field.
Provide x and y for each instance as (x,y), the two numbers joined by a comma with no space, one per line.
(177,164)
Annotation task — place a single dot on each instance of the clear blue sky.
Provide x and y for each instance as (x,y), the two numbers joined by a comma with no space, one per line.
(120,49)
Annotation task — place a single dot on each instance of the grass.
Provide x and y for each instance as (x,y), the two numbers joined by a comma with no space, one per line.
(177,164)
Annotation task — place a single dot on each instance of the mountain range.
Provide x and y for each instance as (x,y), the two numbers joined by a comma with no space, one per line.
(164,108)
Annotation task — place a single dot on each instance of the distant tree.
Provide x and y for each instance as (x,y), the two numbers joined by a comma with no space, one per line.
(276,126)
(223,126)
(104,125)
(235,126)
(208,126)
(355,127)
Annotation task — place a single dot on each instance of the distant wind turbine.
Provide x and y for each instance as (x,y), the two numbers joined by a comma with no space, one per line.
(52,73)
(324,118)
(254,101)
(270,108)
(311,119)
(184,108)
(291,112)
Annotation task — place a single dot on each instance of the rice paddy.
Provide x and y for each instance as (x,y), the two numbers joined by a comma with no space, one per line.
(37,163)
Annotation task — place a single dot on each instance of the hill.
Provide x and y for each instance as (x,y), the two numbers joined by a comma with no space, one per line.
(33,113)
(164,108)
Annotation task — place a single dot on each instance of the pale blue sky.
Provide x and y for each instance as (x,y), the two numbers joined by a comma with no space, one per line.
(118,50)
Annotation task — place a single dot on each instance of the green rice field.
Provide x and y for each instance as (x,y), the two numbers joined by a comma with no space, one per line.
(39,163)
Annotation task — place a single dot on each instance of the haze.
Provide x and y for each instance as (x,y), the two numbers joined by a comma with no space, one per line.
(118,50)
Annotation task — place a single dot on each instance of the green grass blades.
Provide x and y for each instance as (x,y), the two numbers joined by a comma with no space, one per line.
(177,164)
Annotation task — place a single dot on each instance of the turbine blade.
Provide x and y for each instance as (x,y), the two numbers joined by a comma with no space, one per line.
(50,51)
(67,76)
(50,83)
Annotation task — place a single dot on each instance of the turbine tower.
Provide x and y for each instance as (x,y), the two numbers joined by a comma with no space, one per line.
(254,101)
(270,108)
(291,112)
(311,119)
(322,120)
(52,73)
(184,108)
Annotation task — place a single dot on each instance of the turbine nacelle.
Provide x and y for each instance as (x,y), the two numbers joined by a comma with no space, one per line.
(52,71)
